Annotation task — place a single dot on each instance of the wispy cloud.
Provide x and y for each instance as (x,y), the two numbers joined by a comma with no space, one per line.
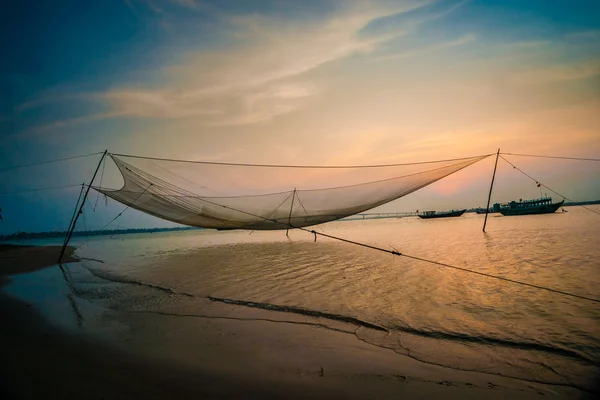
(38,130)
(186,3)
(591,34)
(266,72)
(70,122)
(462,40)
(49,98)
(557,73)
(411,18)
(264,66)
(259,78)
(155,5)
(262,72)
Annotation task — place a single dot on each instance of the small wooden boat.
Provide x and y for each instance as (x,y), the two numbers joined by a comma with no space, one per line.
(442,214)
(536,206)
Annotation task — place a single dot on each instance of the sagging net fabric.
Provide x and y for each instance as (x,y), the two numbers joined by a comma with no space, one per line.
(266,197)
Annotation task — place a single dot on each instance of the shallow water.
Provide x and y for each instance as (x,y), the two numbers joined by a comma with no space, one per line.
(433,313)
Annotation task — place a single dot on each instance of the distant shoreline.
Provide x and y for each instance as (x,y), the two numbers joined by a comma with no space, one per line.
(49,235)
(107,232)
(581,203)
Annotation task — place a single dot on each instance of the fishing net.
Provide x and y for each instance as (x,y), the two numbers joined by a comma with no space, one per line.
(264,197)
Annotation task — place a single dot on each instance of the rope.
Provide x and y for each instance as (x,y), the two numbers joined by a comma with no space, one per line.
(39,189)
(556,157)
(181,177)
(277,208)
(315,233)
(101,178)
(84,225)
(393,252)
(75,211)
(186,193)
(368,246)
(49,161)
(118,215)
(291,209)
(397,253)
(550,189)
(306,212)
(297,166)
(503,279)
(125,209)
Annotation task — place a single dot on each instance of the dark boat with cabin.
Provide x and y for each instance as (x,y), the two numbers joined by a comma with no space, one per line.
(543,205)
(442,214)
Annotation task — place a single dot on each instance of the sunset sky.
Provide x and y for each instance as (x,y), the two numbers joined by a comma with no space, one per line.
(298,82)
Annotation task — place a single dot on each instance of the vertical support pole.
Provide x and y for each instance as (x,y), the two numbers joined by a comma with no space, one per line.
(290,216)
(72,228)
(487,209)
(75,210)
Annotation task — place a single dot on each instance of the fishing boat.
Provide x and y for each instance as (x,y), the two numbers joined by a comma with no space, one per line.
(542,205)
(442,214)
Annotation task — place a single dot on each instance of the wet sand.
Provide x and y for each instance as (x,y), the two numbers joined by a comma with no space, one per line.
(217,358)
(15,259)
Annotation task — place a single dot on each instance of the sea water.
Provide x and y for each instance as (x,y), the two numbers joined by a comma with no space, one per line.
(434,313)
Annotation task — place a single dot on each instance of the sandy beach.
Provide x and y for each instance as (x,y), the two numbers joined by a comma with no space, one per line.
(240,355)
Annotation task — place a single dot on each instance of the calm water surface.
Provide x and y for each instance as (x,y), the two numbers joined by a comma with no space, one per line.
(435,314)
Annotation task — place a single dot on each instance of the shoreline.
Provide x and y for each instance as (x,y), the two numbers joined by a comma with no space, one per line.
(218,358)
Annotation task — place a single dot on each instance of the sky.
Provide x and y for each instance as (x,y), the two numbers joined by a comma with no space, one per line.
(328,82)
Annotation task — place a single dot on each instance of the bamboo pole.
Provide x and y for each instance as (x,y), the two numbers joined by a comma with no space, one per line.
(70,233)
(487,209)
(75,210)
(290,216)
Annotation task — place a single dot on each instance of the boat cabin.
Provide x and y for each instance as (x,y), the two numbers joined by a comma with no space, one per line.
(523,205)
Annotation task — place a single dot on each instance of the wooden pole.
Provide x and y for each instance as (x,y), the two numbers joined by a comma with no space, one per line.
(487,209)
(70,233)
(290,216)
(75,210)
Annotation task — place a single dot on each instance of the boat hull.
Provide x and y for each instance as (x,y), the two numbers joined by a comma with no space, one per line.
(443,214)
(545,209)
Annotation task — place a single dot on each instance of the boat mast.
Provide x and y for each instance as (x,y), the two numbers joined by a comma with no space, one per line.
(487,209)
(72,227)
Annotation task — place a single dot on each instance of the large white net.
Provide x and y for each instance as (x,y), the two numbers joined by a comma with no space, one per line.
(262,197)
